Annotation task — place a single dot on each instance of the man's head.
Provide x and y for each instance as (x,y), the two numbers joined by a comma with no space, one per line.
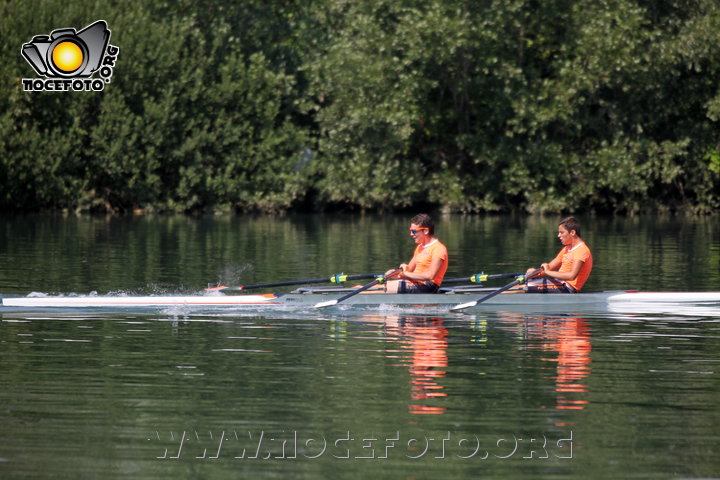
(424,221)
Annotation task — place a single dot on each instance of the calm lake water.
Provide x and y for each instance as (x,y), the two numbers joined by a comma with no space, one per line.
(334,394)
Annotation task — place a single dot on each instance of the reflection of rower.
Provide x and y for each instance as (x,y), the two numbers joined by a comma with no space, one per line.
(429,361)
(573,346)
(427,341)
(569,338)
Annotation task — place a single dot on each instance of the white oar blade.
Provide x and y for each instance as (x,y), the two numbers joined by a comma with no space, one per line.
(463,306)
(329,303)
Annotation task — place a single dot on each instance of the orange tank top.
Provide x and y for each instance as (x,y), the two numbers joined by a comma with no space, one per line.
(568,257)
(424,256)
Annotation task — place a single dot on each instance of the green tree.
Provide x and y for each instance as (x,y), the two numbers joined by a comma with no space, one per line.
(189,121)
(517,105)
(467,105)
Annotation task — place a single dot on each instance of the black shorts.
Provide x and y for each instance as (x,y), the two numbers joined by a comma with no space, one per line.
(548,285)
(405,286)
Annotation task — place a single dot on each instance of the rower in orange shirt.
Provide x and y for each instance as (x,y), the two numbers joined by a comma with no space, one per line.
(570,269)
(426,270)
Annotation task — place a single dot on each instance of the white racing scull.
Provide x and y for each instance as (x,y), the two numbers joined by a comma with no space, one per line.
(307,297)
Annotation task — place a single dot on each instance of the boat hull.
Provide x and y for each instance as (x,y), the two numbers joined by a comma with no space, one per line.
(296,300)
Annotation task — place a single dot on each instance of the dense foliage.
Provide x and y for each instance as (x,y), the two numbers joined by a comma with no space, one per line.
(465,105)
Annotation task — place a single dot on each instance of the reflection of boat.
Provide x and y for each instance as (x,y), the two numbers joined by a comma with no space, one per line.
(304,298)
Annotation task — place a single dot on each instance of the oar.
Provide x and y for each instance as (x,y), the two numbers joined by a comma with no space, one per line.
(337,278)
(482,277)
(330,303)
(341,278)
(517,281)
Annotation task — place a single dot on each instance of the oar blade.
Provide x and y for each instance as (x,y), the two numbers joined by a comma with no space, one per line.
(329,303)
(219,288)
(463,306)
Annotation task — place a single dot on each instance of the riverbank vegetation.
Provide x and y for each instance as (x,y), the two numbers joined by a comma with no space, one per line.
(463,105)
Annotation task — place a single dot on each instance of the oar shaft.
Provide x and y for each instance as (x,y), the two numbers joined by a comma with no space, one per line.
(281,284)
(519,280)
(339,278)
(481,277)
(382,278)
(501,290)
(358,290)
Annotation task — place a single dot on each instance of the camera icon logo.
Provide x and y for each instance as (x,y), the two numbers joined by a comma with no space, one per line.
(68,54)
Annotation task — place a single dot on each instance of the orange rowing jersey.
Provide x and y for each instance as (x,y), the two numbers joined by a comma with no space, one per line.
(424,256)
(568,256)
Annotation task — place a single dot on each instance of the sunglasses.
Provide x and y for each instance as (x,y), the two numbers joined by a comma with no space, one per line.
(414,231)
